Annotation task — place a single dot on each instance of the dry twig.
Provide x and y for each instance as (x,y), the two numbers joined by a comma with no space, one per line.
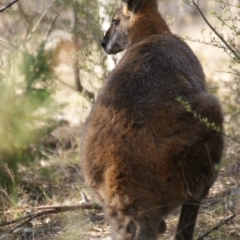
(8,5)
(40,19)
(216,227)
(49,210)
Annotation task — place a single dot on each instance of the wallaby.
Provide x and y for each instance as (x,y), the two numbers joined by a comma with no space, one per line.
(153,139)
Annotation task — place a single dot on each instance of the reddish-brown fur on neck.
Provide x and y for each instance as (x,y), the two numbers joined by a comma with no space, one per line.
(145,22)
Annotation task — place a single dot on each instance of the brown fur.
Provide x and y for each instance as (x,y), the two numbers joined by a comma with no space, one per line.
(143,154)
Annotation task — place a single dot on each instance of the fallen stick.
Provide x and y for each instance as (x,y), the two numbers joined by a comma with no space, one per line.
(51,210)
(216,227)
(32,216)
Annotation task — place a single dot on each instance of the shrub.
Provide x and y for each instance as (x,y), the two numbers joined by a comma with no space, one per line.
(27,108)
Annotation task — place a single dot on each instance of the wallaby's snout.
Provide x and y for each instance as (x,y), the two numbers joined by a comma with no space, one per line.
(104,43)
(107,45)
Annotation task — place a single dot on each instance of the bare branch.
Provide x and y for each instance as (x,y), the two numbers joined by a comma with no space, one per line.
(49,210)
(214,30)
(220,46)
(51,28)
(30,217)
(216,227)
(8,5)
(40,19)
(233,22)
(77,80)
(227,3)
(233,139)
(25,16)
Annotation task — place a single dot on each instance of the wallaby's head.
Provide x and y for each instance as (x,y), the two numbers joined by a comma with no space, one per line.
(116,38)
(136,19)
(132,223)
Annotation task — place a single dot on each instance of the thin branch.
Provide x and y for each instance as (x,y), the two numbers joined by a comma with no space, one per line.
(40,19)
(229,4)
(232,138)
(31,217)
(232,73)
(51,28)
(208,124)
(214,45)
(8,5)
(50,210)
(76,71)
(231,19)
(56,209)
(65,208)
(65,84)
(28,20)
(216,227)
(214,30)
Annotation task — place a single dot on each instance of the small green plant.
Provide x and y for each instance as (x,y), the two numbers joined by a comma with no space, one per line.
(27,109)
(197,115)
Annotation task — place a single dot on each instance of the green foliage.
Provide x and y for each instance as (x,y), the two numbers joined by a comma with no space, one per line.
(27,108)
(197,115)
(37,68)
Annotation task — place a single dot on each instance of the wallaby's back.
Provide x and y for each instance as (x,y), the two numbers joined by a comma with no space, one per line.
(144,150)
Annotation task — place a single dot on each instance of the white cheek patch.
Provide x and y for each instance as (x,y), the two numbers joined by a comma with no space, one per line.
(111,43)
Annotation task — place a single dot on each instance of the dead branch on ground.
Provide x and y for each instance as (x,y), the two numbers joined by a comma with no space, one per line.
(48,210)
(45,210)
(8,5)
(216,227)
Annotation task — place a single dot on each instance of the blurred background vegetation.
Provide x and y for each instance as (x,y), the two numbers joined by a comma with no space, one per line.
(51,69)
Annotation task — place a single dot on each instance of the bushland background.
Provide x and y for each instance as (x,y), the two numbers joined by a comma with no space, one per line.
(51,69)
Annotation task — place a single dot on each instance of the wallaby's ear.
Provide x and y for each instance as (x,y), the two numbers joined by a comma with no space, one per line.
(130,6)
(126,10)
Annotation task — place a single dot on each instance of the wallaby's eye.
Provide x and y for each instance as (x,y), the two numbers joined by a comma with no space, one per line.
(115,22)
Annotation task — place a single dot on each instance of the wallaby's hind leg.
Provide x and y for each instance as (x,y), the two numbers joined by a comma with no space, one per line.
(187,221)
